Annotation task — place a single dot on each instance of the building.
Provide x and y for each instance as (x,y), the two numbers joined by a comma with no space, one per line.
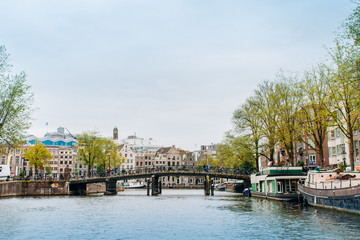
(58,138)
(62,147)
(128,156)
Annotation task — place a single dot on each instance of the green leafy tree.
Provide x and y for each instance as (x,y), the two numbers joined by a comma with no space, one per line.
(265,101)
(237,152)
(344,87)
(96,151)
(16,100)
(89,150)
(314,116)
(247,121)
(38,156)
(287,101)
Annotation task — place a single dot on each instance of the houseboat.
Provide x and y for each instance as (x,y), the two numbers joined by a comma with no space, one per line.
(277,183)
(333,190)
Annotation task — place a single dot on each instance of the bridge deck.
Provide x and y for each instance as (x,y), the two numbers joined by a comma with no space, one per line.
(160,174)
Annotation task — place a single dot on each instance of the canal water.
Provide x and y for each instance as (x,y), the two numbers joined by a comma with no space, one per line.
(176,214)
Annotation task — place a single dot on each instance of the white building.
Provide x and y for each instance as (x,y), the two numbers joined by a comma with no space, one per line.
(129,157)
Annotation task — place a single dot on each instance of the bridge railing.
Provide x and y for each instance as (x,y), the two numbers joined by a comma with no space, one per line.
(159,169)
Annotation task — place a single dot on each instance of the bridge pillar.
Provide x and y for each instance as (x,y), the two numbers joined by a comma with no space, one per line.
(77,188)
(148,186)
(155,185)
(110,187)
(207,185)
(160,187)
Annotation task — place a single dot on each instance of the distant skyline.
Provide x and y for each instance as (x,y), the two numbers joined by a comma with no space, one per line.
(174,71)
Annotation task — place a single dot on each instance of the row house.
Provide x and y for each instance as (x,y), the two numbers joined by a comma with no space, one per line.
(62,158)
(128,157)
(14,158)
(145,159)
(339,147)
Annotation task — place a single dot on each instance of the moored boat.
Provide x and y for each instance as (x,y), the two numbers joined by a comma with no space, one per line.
(277,183)
(333,190)
(132,185)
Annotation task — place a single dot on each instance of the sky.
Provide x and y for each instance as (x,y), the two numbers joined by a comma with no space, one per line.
(172,70)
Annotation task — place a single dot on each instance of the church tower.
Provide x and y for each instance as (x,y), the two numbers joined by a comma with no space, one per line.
(115,133)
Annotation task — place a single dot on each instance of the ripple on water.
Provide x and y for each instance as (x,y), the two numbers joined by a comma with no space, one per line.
(176,214)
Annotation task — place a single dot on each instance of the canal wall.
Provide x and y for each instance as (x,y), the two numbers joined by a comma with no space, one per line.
(46,188)
(33,188)
(92,188)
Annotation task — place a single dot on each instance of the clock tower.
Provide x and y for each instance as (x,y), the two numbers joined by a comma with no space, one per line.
(115,134)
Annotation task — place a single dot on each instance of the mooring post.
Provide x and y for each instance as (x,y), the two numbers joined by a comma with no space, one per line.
(148,186)
(110,187)
(153,186)
(212,187)
(207,185)
(160,187)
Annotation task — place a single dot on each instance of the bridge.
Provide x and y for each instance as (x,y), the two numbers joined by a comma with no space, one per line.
(78,186)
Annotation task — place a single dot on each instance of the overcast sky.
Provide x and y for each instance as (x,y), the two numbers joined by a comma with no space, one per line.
(172,70)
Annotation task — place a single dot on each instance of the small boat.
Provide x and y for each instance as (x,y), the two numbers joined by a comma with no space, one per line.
(221,187)
(132,185)
(333,190)
(236,186)
(277,183)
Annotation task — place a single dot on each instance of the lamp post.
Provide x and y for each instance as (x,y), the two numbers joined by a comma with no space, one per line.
(344,159)
(109,165)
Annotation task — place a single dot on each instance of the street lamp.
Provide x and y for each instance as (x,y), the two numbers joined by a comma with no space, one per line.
(109,165)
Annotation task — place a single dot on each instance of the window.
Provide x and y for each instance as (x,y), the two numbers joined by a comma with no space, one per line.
(341,149)
(312,158)
(3,160)
(338,133)
(332,134)
(332,151)
(17,160)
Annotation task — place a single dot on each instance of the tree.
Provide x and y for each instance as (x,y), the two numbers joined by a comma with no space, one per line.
(344,93)
(287,99)
(111,158)
(89,150)
(345,79)
(264,100)
(38,156)
(96,151)
(15,103)
(314,116)
(247,121)
(237,152)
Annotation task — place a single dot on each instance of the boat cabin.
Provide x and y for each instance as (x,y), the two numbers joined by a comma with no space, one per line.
(277,182)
